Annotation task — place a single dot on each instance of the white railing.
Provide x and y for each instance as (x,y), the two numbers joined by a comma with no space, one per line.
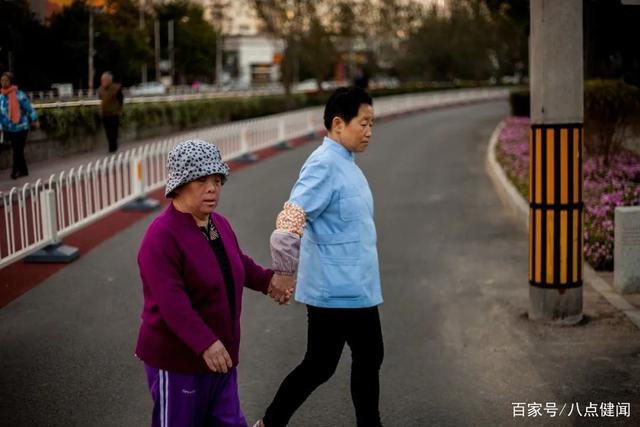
(47,101)
(36,215)
(50,98)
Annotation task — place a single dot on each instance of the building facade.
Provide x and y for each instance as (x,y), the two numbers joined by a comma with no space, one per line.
(252,60)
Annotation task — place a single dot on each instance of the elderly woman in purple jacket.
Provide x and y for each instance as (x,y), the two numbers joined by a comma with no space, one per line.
(193,274)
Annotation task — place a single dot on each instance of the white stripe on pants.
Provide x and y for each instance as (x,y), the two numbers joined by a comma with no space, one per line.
(164,398)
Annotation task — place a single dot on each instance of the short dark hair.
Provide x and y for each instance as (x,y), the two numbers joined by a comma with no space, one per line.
(8,75)
(345,102)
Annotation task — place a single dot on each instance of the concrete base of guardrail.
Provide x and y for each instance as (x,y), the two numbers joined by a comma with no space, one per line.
(55,253)
(142,204)
(247,158)
(284,145)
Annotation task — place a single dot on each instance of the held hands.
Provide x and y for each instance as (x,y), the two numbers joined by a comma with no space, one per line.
(281,288)
(217,358)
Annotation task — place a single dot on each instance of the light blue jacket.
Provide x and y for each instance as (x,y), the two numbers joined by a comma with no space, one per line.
(27,114)
(338,265)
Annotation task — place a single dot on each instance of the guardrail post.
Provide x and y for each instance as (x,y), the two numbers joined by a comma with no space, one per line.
(55,251)
(141,203)
(283,144)
(247,155)
(310,127)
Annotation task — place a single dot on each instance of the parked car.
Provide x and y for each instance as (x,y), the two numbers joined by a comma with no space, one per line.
(330,85)
(385,83)
(146,89)
(64,90)
(203,87)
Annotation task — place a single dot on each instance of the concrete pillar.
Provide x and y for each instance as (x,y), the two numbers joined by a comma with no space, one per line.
(556,147)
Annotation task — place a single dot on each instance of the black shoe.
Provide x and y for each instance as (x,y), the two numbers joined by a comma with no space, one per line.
(17,175)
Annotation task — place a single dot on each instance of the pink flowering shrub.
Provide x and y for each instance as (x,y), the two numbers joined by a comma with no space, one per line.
(512,152)
(605,188)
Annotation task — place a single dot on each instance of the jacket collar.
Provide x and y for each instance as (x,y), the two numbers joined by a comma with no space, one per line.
(337,148)
(183,217)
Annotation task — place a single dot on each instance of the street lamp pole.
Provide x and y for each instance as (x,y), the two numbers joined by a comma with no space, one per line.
(219,60)
(218,21)
(143,70)
(172,60)
(156,38)
(91,53)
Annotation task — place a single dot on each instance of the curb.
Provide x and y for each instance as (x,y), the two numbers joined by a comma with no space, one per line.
(517,205)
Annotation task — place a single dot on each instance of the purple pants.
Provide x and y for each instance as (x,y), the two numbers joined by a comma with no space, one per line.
(194,400)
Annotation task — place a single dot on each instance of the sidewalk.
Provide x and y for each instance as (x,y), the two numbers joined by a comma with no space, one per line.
(633,299)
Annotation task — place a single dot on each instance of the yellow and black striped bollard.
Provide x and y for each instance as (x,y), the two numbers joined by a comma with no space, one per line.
(556,206)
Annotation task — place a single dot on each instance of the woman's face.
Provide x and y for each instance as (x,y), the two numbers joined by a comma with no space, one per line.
(355,135)
(201,196)
(5,82)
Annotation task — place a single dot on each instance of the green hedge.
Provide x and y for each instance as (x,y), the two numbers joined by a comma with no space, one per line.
(520,101)
(68,124)
(611,114)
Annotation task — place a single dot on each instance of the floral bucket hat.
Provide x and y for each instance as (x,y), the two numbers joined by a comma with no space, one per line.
(193,159)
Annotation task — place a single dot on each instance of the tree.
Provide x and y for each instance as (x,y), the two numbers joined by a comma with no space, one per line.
(24,47)
(195,40)
(611,35)
(470,39)
(121,52)
(315,32)
(392,22)
(69,28)
(510,31)
(317,51)
(283,19)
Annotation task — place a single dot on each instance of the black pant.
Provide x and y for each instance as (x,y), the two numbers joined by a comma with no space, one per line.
(329,329)
(111,125)
(18,140)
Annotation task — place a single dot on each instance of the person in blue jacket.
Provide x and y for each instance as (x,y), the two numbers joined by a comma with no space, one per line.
(16,116)
(327,234)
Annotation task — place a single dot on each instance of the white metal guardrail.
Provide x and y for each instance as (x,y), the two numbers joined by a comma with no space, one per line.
(39,214)
(50,102)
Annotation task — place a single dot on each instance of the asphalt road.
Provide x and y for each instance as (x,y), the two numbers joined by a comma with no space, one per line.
(459,350)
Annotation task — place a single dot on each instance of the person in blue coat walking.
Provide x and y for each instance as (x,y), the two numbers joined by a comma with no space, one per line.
(327,234)
(16,117)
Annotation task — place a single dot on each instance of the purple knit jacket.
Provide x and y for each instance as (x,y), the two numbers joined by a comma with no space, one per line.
(186,308)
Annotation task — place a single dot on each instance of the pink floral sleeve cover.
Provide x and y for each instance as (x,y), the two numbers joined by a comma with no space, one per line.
(285,240)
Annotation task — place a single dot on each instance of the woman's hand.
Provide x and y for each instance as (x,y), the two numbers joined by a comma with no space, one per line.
(281,288)
(217,358)
(36,124)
